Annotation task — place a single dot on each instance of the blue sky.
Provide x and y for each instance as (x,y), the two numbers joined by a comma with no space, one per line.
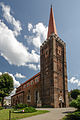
(23,27)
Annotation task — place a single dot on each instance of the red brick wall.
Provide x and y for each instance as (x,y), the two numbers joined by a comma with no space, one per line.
(29,87)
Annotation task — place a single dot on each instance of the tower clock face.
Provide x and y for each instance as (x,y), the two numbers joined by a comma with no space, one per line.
(59,50)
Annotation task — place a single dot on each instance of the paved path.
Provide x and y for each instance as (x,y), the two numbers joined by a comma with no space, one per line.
(54,114)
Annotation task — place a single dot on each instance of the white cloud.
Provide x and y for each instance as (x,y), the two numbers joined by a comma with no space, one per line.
(13,92)
(19,75)
(39,34)
(34,57)
(12,50)
(32,66)
(29,26)
(36,41)
(74,80)
(15,82)
(0,73)
(10,19)
(79,83)
(39,67)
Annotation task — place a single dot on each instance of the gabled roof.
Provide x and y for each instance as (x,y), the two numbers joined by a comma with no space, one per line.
(29,79)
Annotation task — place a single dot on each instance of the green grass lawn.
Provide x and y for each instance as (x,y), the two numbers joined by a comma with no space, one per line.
(4,114)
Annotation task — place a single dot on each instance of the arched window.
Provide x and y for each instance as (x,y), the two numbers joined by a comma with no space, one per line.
(28,96)
(36,96)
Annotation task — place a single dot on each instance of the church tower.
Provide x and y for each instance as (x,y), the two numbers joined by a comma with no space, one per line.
(54,91)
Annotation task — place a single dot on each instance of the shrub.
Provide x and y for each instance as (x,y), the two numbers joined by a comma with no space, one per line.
(73,103)
(73,116)
(30,109)
(47,106)
(76,103)
(1,108)
(75,93)
(20,106)
(26,110)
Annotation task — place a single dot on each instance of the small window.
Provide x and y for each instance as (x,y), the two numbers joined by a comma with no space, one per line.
(59,50)
(60,91)
(27,84)
(46,52)
(28,98)
(29,91)
(36,80)
(32,82)
(24,86)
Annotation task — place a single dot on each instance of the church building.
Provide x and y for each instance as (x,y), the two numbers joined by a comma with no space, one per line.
(49,86)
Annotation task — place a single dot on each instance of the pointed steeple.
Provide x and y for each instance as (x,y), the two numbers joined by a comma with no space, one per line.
(52,25)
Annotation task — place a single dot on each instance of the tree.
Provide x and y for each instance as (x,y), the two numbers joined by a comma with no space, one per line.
(76,103)
(0,99)
(6,86)
(75,93)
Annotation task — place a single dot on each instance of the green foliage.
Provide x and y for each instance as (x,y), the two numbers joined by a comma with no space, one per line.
(6,85)
(1,108)
(26,110)
(73,116)
(20,106)
(30,109)
(73,103)
(47,106)
(0,99)
(23,108)
(76,103)
(75,93)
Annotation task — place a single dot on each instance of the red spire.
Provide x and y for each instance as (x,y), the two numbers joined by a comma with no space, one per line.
(52,25)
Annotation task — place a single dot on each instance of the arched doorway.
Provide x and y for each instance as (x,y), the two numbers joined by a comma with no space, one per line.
(61,104)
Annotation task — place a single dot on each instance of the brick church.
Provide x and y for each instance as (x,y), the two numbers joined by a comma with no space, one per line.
(49,86)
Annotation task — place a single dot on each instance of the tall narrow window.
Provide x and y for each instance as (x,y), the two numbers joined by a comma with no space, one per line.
(29,96)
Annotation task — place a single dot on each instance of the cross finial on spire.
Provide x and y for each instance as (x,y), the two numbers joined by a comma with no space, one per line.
(52,25)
